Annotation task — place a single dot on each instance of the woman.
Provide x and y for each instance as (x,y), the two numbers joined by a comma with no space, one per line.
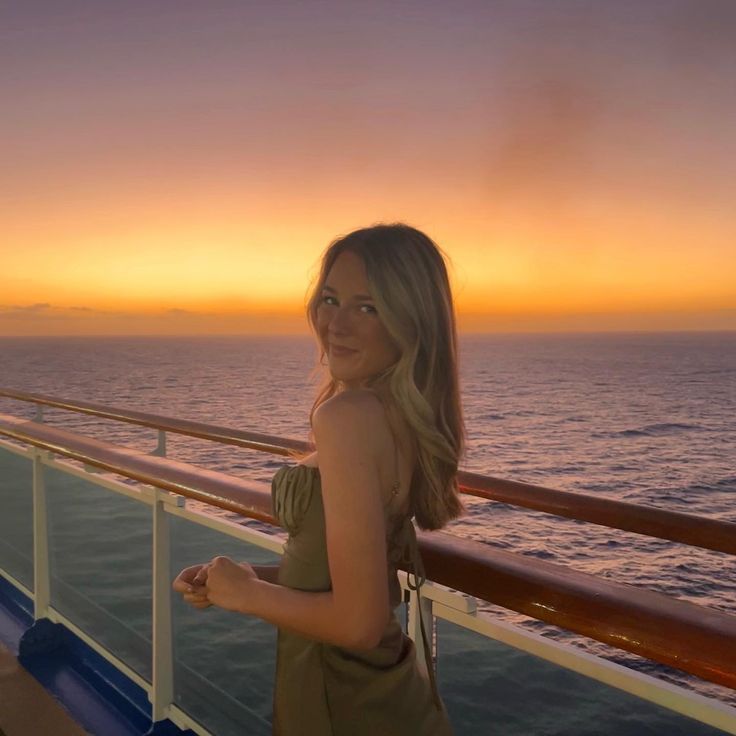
(388,431)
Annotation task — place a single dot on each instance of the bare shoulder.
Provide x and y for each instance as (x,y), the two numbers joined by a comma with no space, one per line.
(349,406)
(354,418)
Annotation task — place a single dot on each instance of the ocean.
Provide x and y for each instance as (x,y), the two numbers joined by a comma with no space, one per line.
(648,418)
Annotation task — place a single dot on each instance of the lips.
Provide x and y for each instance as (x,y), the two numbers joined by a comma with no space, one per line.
(338,350)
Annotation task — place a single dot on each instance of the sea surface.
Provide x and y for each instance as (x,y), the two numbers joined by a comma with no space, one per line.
(647,418)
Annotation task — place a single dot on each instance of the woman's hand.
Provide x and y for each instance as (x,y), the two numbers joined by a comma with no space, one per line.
(221,582)
(230,585)
(190,583)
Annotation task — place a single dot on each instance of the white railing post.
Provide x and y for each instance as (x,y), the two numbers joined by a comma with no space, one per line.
(41,584)
(162,691)
(160,450)
(414,629)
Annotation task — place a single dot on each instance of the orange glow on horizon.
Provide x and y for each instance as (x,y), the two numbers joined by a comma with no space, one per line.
(568,183)
(218,276)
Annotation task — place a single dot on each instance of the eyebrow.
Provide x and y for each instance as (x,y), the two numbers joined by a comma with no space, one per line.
(357,296)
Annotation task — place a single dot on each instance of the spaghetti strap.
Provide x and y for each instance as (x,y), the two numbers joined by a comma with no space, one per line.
(397,480)
(417,571)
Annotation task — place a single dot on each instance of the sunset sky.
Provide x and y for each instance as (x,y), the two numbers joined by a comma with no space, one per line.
(177,167)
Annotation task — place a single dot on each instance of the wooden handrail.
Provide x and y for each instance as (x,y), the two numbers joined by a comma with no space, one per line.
(697,531)
(684,635)
(675,526)
(209,486)
(692,638)
(213,432)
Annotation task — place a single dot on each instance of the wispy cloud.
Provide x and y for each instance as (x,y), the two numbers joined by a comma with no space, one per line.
(48,310)
(31,311)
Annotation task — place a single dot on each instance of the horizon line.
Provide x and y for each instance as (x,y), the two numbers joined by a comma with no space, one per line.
(308,335)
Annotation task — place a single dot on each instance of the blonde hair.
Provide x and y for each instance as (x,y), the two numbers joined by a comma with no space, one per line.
(408,281)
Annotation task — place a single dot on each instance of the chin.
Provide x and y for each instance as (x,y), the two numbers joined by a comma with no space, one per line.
(346,378)
(342,377)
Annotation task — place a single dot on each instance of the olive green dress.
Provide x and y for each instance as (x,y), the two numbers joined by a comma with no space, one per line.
(326,690)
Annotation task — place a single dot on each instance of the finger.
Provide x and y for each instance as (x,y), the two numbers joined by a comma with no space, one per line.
(192,570)
(185,577)
(199,592)
(196,598)
(201,576)
(198,602)
(180,586)
(183,586)
(195,593)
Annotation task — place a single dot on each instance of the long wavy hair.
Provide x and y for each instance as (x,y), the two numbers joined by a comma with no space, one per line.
(409,283)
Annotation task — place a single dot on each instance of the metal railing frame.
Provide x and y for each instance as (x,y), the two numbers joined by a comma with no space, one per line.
(674,526)
(439,601)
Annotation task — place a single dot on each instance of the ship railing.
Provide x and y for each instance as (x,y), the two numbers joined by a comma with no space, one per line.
(694,639)
(671,525)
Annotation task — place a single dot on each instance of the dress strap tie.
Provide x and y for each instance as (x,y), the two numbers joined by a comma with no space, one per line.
(420,577)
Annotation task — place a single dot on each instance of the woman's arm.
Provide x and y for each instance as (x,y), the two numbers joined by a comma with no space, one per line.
(348,431)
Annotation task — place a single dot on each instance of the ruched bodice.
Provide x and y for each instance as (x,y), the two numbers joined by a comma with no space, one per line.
(328,690)
(296,495)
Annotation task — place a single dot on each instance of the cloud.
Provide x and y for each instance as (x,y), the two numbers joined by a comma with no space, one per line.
(33,307)
(545,143)
(16,311)
(40,309)
(48,311)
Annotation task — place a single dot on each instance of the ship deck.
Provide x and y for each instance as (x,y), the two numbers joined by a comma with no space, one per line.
(26,707)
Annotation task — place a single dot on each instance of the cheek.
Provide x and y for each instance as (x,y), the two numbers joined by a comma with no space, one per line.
(321,320)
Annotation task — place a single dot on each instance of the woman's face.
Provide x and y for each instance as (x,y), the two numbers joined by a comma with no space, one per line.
(347,319)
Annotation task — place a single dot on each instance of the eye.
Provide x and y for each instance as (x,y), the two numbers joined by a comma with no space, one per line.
(372,309)
(325,297)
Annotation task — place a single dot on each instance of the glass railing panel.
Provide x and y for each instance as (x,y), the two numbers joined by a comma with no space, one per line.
(491,687)
(224,662)
(16,516)
(402,613)
(100,565)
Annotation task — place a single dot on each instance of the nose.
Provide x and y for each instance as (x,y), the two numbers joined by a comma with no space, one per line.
(339,323)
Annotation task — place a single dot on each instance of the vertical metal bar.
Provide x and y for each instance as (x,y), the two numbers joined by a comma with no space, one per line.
(41,586)
(160,450)
(162,691)
(414,629)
